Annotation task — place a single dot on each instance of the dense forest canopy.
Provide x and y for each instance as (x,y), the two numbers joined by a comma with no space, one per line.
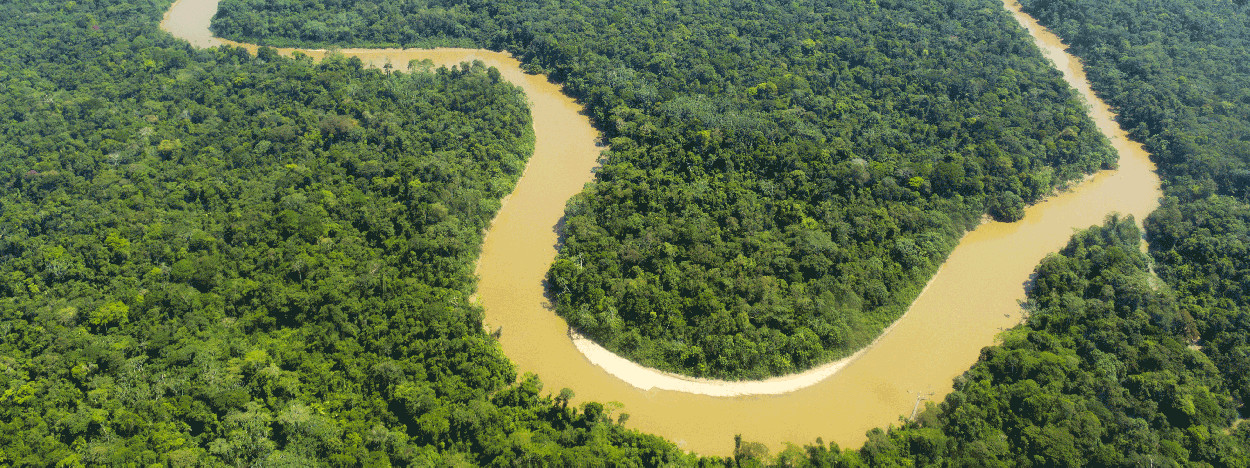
(213,258)
(208,258)
(1100,374)
(783,176)
(1178,72)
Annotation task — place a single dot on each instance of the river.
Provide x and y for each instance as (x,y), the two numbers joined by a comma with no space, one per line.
(973,296)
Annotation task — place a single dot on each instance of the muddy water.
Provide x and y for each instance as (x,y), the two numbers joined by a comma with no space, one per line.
(971,298)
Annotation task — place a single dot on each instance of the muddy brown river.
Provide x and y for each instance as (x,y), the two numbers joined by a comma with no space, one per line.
(972,297)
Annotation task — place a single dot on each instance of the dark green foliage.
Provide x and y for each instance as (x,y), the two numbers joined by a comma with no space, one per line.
(1203,249)
(1176,71)
(1101,374)
(207,257)
(783,177)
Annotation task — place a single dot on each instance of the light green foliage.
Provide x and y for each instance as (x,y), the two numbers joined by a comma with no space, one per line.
(1109,370)
(209,258)
(769,154)
(116,312)
(1101,374)
(1177,77)
(286,284)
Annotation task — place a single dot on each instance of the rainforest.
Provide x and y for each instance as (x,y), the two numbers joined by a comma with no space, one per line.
(214,257)
(770,201)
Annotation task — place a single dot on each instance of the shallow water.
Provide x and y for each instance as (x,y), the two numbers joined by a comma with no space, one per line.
(972,297)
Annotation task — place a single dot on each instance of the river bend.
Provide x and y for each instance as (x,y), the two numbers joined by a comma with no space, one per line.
(972,297)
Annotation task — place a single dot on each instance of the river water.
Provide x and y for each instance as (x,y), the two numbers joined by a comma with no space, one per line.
(973,296)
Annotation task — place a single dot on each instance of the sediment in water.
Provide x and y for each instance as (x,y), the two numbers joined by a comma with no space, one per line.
(969,300)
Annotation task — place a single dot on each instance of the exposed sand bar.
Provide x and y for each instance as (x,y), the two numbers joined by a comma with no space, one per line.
(972,297)
(647,378)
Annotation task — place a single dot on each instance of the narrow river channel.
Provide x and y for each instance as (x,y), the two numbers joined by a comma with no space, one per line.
(972,297)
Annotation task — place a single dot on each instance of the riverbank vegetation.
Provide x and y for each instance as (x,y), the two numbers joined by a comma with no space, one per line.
(1176,72)
(1108,371)
(1102,373)
(783,177)
(211,258)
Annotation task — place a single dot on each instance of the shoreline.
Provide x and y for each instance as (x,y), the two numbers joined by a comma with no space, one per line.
(649,378)
(630,372)
(975,292)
